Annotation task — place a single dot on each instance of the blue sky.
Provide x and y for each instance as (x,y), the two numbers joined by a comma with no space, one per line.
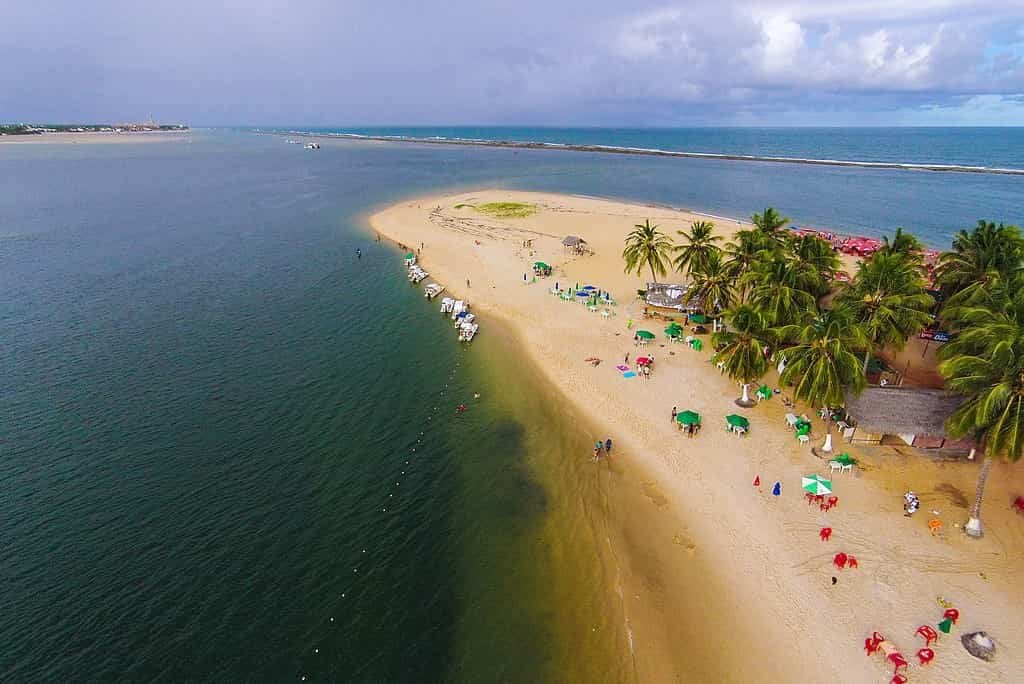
(525,62)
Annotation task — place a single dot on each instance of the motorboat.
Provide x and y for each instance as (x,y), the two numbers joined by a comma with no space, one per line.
(432,290)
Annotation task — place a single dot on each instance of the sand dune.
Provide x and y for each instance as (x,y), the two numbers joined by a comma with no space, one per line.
(721,580)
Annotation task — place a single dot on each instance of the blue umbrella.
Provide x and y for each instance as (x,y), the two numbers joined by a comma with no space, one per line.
(582,294)
(589,287)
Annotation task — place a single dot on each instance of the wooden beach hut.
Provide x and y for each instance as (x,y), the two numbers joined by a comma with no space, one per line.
(911,416)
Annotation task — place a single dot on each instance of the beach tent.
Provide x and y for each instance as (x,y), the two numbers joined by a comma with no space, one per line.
(737,421)
(816,484)
(645,334)
(688,418)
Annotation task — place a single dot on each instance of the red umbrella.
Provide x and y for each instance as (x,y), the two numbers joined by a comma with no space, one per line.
(643,361)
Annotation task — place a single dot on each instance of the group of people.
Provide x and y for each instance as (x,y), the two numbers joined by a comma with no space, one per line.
(691,429)
(910,504)
(605,446)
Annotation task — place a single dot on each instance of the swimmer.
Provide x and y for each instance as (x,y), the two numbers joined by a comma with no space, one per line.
(476,395)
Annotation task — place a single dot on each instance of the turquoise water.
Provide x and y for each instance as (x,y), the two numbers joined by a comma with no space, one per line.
(208,402)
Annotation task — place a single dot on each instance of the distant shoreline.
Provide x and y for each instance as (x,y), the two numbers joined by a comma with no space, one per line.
(642,151)
(62,137)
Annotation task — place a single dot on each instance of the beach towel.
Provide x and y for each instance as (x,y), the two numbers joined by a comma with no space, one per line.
(629,374)
(622,368)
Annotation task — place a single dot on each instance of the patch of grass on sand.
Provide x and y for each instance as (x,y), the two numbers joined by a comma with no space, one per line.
(507,209)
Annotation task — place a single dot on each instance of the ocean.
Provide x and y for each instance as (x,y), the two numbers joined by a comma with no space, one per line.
(229,447)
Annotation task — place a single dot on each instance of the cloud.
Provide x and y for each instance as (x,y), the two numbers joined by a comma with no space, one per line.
(499,61)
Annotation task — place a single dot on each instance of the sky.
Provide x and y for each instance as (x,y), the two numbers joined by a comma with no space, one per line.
(521,62)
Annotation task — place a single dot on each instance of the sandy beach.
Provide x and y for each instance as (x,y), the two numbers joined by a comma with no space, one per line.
(720,580)
(97,137)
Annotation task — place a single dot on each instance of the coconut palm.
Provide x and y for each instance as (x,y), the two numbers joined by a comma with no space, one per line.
(744,347)
(887,299)
(814,263)
(985,364)
(713,284)
(775,288)
(647,246)
(822,363)
(743,252)
(980,257)
(904,244)
(699,245)
(770,222)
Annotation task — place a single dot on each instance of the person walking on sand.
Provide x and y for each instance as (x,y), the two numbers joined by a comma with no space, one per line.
(467,282)
(608,446)
(675,412)
(626,361)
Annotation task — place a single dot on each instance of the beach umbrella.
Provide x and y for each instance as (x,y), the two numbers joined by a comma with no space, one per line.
(673,332)
(845,459)
(540,264)
(698,318)
(589,287)
(410,256)
(697,344)
(645,334)
(642,361)
(764,392)
(816,484)
(737,421)
(582,294)
(688,418)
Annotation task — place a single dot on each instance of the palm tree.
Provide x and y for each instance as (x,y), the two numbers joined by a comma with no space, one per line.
(743,253)
(744,347)
(775,290)
(814,264)
(887,299)
(904,244)
(713,285)
(822,364)
(769,222)
(979,257)
(700,243)
(985,364)
(647,246)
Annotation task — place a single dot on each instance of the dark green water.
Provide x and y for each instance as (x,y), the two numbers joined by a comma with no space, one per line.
(229,447)
(209,410)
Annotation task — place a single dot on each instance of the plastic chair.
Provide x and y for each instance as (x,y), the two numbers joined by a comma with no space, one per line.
(897,661)
(833,466)
(952,614)
(928,633)
(898,679)
(833,501)
(934,525)
(809,497)
(926,655)
(804,439)
(847,466)
(1018,504)
(852,562)
(825,534)
(840,560)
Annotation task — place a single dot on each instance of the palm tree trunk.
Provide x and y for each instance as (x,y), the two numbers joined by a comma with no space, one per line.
(867,358)
(827,446)
(654,278)
(973,526)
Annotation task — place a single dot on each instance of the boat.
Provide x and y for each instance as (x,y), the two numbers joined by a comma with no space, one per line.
(416,274)
(293,142)
(311,146)
(464,317)
(432,290)
(447,304)
(467,331)
(458,307)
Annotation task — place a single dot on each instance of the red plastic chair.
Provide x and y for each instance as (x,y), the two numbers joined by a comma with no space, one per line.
(825,534)
(898,679)
(952,614)
(928,633)
(819,498)
(1018,504)
(898,661)
(840,560)
(833,501)
(852,562)
(872,643)
(809,497)
(926,655)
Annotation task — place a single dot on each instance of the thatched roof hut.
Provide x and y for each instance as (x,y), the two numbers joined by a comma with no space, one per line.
(573,241)
(666,295)
(902,410)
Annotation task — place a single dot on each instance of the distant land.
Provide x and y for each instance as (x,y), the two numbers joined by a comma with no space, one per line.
(39,129)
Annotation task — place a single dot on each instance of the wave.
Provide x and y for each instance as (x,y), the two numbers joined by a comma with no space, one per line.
(655,152)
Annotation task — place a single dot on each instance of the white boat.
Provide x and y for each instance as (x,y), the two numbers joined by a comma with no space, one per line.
(432,290)
(464,317)
(311,146)
(416,274)
(447,304)
(468,331)
(458,307)
(293,142)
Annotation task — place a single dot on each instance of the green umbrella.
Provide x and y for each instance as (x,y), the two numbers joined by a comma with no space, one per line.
(698,318)
(946,625)
(672,331)
(688,418)
(845,459)
(540,264)
(816,484)
(764,392)
(737,421)
(645,334)
(697,344)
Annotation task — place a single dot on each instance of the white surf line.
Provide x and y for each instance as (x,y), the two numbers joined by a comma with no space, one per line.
(654,152)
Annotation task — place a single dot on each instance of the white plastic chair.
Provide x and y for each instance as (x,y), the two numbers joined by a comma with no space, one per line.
(791,419)
(804,439)
(845,467)
(833,466)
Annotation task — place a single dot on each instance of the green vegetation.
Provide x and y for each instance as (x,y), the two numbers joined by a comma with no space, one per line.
(505,209)
(647,246)
(778,291)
